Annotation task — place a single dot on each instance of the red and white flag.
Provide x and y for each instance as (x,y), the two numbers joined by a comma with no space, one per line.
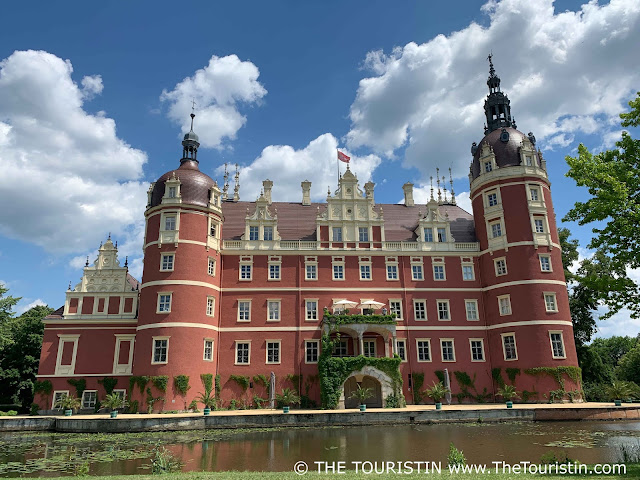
(342,157)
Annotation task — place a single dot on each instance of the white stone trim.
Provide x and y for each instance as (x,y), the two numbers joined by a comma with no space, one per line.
(122,368)
(180,282)
(66,369)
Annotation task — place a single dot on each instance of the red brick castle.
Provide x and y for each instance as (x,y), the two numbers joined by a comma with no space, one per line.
(240,289)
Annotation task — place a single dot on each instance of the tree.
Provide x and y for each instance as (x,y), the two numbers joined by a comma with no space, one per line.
(6,315)
(612,178)
(629,366)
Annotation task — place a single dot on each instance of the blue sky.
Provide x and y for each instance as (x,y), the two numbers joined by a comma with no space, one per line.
(93,101)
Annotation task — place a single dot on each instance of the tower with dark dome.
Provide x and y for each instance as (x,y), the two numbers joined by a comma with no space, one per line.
(525,296)
(180,298)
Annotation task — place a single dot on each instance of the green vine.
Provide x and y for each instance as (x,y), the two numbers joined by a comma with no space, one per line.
(109,383)
(526,395)
(295,380)
(217,384)
(151,400)
(496,374)
(43,386)
(440,375)
(160,382)
(140,381)
(343,319)
(80,385)
(417,378)
(557,373)
(261,379)
(512,373)
(465,382)
(181,384)
(207,381)
(241,380)
(334,371)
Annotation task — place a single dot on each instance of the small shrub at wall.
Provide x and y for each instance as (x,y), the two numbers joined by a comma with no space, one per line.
(80,384)
(160,382)
(181,384)
(109,383)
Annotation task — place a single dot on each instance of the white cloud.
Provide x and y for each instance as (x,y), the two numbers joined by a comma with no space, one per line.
(66,175)
(287,167)
(422,194)
(619,324)
(22,306)
(573,73)
(218,89)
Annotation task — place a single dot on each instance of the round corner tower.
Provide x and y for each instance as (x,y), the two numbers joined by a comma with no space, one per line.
(177,331)
(525,295)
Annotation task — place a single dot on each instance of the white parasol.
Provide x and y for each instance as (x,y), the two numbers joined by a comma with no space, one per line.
(372,304)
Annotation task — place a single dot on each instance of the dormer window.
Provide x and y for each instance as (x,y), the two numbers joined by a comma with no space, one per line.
(442,234)
(487,167)
(268,233)
(253,233)
(172,192)
(428,234)
(528,160)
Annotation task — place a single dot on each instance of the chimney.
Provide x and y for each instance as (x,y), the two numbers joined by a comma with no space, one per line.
(408,194)
(368,189)
(267,185)
(306,192)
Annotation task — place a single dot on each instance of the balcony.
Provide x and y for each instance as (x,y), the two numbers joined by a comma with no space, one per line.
(307,245)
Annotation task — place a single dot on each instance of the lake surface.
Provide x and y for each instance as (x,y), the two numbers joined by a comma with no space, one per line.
(53,454)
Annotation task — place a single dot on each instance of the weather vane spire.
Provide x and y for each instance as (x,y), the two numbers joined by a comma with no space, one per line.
(193,109)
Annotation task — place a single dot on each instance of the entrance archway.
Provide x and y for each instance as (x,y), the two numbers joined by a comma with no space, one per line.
(368,377)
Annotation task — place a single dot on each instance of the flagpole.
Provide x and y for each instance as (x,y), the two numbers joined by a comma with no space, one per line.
(338,165)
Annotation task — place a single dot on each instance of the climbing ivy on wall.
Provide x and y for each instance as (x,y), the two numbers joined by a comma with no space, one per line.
(181,384)
(241,380)
(80,385)
(466,384)
(140,381)
(109,383)
(160,382)
(44,386)
(417,378)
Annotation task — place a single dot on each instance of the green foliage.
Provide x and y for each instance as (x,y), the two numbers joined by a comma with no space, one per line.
(463,379)
(334,371)
(113,401)
(43,386)
(595,392)
(206,397)
(259,402)
(574,373)
(436,392)
(557,395)
(151,400)
(512,373)
(417,379)
(295,380)
(288,397)
(508,393)
(612,179)
(217,386)
(134,406)
(394,401)
(193,406)
(160,382)
(466,383)
(10,413)
(496,374)
(620,390)
(207,381)
(140,381)
(526,395)
(35,408)
(109,383)
(163,461)
(181,384)
(67,402)
(20,345)
(361,394)
(455,457)
(80,384)
(241,380)
(263,380)
(629,365)
(551,458)
(344,319)
(440,375)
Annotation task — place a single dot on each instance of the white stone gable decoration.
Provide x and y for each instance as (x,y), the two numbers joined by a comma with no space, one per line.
(106,274)
(261,217)
(433,220)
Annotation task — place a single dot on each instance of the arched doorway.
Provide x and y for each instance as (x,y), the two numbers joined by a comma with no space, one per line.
(351,385)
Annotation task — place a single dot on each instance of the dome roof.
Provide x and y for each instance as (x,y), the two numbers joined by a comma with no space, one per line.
(191,136)
(194,185)
(507,152)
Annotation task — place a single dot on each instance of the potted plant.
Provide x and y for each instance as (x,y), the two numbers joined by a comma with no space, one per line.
(68,404)
(437,392)
(362,394)
(617,391)
(113,402)
(508,393)
(208,400)
(287,398)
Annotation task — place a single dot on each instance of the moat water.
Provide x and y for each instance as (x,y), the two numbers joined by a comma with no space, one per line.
(54,454)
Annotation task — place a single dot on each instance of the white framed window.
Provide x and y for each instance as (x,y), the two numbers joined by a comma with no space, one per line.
(392,272)
(488,166)
(428,234)
(443,310)
(509,348)
(208,350)
(471,307)
(57,396)
(243,352)
(274,271)
(420,310)
(160,352)
(401,348)
(336,234)
(164,302)
(447,350)
(439,272)
(312,351)
(244,310)
(395,306)
(311,271)
(166,262)
(90,397)
(169,222)
(477,349)
(267,233)
(66,341)
(211,305)
(504,304)
(557,344)
(369,346)
(365,272)
(273,310)
(254,232)
(545,263)
(338,272)
(534,194)
(550,303)
(213,228)
(496,229)
(273,351)
(492,198)
(528,160)
(500,265)
(340,349)
(442,234)
(423,349)
(468,272)
(172,192)
(245,271)
(311,310)
(211,266)
(539,225)
(416,272)
(363,234)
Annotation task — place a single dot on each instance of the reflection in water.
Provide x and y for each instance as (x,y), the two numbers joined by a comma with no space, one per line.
(278,450)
